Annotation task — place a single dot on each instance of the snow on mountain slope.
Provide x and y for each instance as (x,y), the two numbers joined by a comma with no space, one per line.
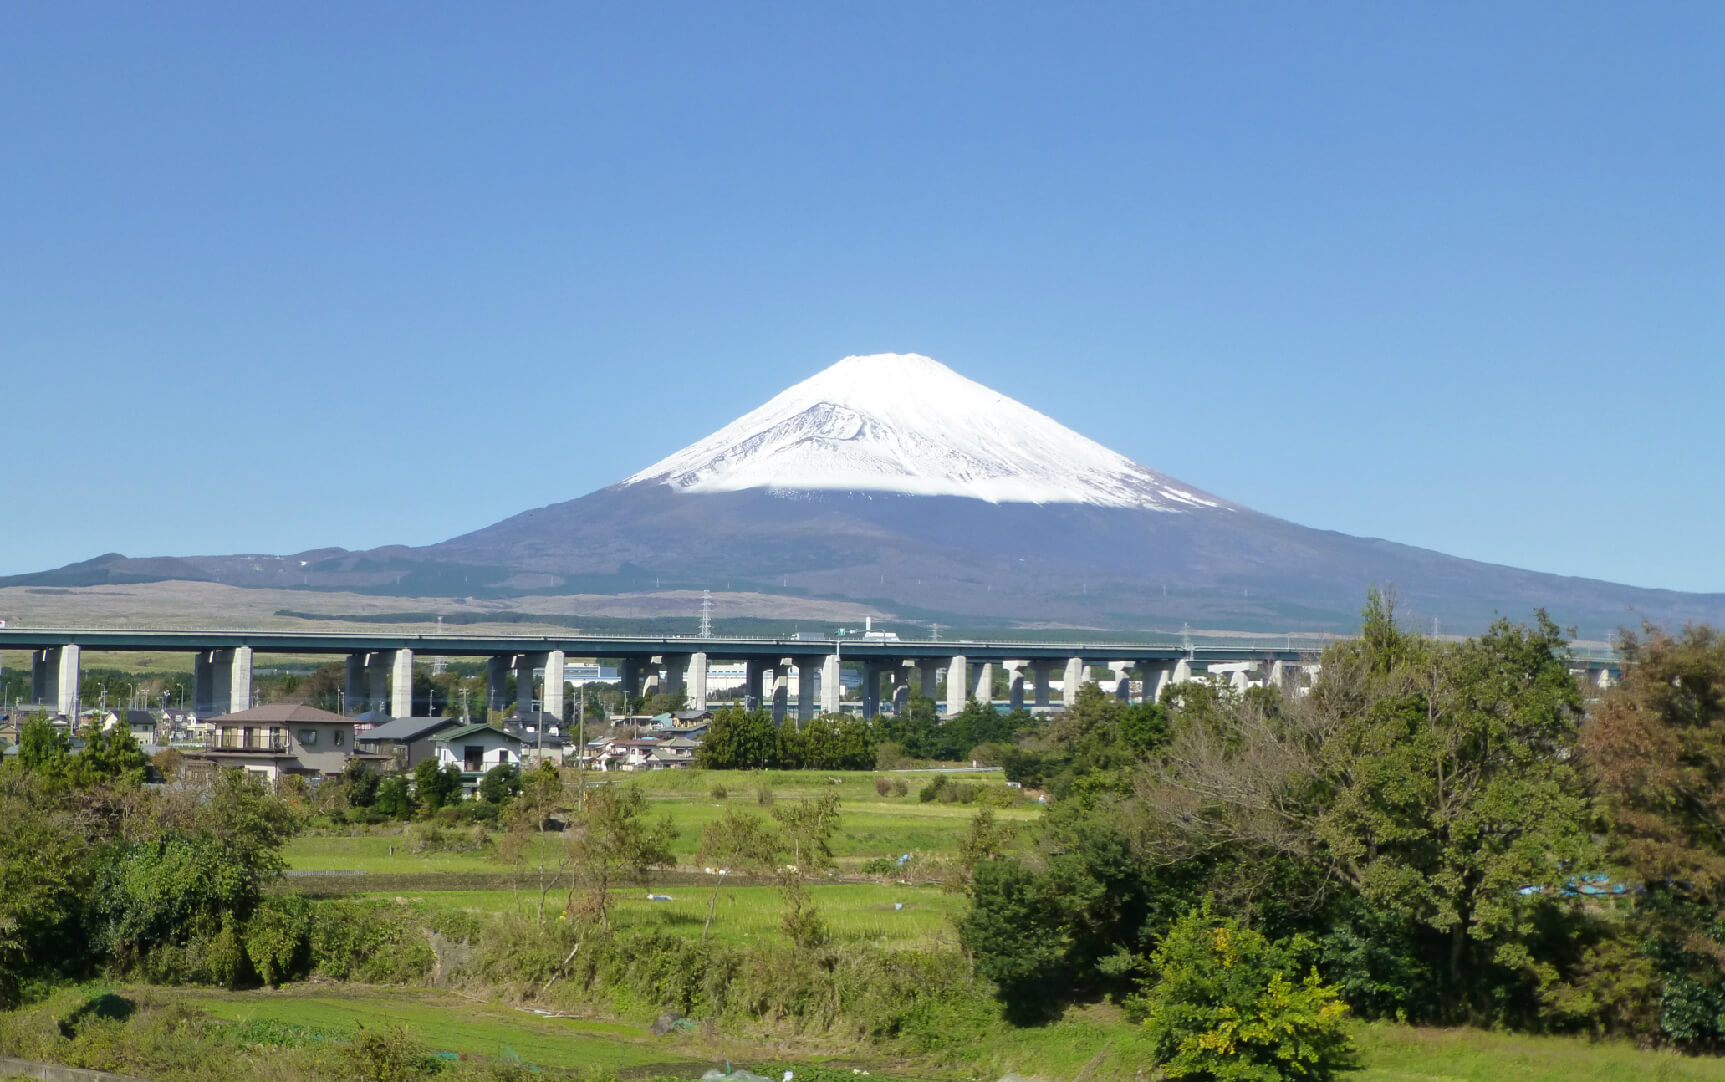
(902,422)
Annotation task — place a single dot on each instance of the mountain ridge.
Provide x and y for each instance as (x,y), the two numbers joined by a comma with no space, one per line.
(891,480)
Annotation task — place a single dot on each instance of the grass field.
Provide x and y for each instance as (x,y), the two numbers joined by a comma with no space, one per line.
(1095,1043)
(870,825)
(446,1023)
(856,913)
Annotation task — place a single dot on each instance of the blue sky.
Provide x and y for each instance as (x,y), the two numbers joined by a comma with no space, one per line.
(282,276)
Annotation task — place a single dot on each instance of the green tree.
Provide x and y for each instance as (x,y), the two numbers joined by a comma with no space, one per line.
(501,784)
(829,742)
(395,797)
(739,739)
(613,841)
(44,750)
(45,874)
(108,757)
(806,828)
(736,841)
(1654,748)
(1434,779)
(361,780)
(434,786)
(1226,1004)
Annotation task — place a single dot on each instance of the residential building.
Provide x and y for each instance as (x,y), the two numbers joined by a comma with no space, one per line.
(282,739)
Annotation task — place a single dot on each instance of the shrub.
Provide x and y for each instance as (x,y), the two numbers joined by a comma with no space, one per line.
(936,789)
(900,787)
(386,1055)
(1221,1007)
(719,792)
(278,939)
(890,756)
(882,787)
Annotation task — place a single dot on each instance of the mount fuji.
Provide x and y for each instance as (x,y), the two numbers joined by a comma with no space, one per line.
(893,481)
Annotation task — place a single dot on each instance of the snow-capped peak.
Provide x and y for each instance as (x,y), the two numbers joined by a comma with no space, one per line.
(902,422)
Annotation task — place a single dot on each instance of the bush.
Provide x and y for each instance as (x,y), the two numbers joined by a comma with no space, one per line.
(1222,1007)
(900,787)
(719,792)
(890,756)
(882,787)
(278,939)
(936,789)
(386,1055)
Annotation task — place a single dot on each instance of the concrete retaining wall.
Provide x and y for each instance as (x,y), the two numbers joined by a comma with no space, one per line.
(49,1072)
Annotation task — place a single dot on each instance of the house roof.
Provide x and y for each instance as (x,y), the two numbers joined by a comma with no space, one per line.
(281,714)
(407,730)
(475,729)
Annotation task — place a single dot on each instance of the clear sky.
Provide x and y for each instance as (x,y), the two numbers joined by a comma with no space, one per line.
(276,276)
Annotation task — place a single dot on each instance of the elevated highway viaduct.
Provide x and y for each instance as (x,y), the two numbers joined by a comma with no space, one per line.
(795,675)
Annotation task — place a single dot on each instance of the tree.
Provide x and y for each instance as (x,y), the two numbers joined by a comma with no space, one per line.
(44,878)
(109,757)
(829,742)
(1227,1004)
(43,749)
(613,841)
(738,840)
(434,786)
(501,784)
(529,822)
(361,780)
(395,797)
(1654,748)
(1432,778)
(740,740)
(806,829)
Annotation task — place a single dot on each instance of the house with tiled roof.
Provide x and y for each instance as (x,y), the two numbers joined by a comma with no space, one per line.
(282,739)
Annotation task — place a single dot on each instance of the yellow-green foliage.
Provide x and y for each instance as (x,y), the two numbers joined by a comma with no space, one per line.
(1222,1007)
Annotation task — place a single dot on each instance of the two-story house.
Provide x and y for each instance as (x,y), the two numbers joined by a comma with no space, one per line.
(476,748)
(282,739)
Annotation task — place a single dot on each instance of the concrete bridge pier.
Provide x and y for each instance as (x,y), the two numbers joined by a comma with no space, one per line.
(1122,680)
(871,689)
(695,680)
(1015,684)
(496,681)
(1077,673)
(1183,670)
(900,689)
(230,675)
(1040,670)
(203,684)
(984,683)
(832,683)
(957,683)
(754,670)
(781,685)
(54,678)
(805,690)
(1156,675)
(928,679)
(675,680)
(391,673)
(629,673)
(556,684)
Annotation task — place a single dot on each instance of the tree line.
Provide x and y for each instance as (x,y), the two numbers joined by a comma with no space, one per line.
(1445,831)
